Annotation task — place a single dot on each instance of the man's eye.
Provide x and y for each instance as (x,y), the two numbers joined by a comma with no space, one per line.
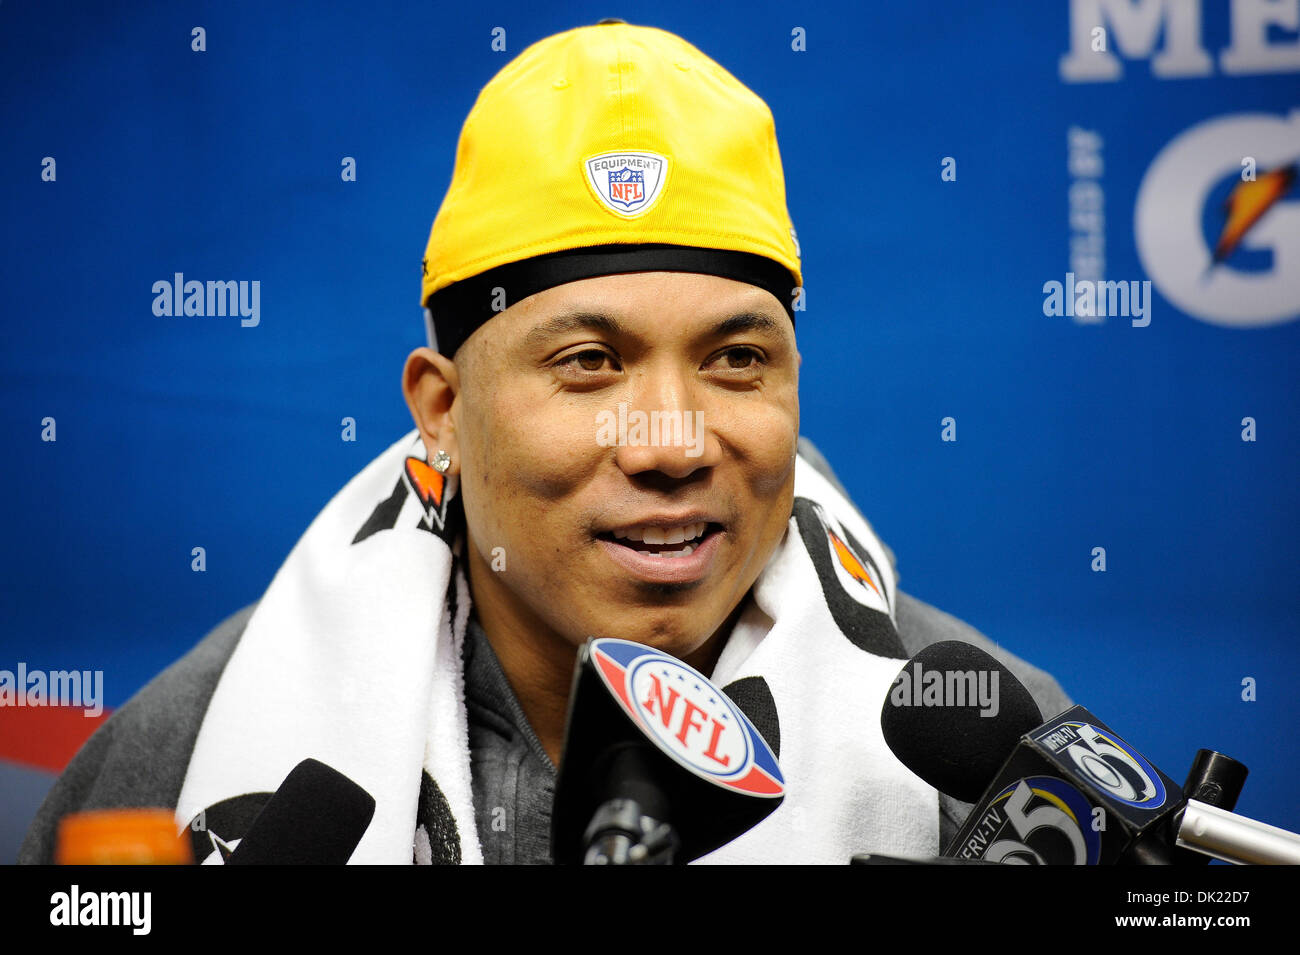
(741,358)
(592,359)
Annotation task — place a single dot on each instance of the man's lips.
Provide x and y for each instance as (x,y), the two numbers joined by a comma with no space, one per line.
(642,560)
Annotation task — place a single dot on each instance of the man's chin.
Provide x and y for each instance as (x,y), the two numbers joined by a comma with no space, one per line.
(676,631)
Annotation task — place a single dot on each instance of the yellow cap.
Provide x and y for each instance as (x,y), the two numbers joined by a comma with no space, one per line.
(612,134)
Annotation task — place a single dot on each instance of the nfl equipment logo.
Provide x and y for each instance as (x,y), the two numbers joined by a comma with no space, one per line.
(626,183)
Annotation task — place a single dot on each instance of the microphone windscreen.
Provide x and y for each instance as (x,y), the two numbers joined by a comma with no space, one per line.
(316,817)
(953,716)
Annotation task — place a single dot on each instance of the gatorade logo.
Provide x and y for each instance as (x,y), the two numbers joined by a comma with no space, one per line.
(626,183)
(1239,268)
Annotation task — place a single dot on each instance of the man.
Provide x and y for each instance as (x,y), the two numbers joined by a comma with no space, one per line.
(607,444)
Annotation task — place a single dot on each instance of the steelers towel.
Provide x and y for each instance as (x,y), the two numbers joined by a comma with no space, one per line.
(353,655)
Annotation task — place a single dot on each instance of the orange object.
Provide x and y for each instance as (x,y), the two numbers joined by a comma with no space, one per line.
(121,837)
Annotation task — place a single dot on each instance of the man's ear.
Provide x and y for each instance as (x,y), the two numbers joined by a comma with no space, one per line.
(430,383)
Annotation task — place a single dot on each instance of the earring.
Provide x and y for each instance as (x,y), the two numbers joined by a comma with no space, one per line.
(441,461)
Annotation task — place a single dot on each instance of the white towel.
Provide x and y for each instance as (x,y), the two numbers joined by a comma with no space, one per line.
(353,657)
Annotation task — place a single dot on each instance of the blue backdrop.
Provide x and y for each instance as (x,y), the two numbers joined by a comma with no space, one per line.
(925,301)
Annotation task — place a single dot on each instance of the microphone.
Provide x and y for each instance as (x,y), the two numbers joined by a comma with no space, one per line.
(659,766)
(316,817)
(953,747)
(1067,790)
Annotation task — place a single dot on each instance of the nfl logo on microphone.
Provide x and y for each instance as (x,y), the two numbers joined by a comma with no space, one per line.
(689,718)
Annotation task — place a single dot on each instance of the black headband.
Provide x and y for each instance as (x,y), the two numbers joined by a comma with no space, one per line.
(459,309)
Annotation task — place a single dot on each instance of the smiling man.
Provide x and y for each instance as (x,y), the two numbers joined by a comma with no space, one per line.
(641,541)
(614,246)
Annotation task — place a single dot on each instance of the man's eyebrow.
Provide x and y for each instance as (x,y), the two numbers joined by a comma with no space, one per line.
(600,322)
(745,322)
(573,321)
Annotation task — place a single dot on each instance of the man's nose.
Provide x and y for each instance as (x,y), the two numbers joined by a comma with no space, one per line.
(666,431)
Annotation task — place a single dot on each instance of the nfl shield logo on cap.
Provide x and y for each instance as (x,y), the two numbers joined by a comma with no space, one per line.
(627,183)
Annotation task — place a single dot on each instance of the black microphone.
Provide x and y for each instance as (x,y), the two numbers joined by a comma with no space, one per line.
(659,766)
(1071,790)
(1067,790)
(955,748)
(316,817)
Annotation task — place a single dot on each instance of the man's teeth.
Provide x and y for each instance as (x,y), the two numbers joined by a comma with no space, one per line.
(684,552)
(667,535)
(664,535)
